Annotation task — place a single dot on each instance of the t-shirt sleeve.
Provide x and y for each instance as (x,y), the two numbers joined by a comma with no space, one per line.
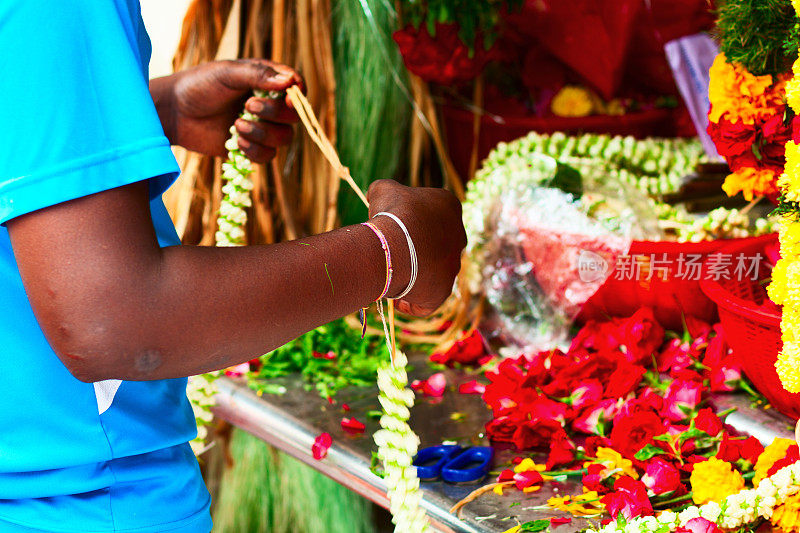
(76,116)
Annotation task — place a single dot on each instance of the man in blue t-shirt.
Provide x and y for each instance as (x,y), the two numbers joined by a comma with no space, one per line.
(103,313)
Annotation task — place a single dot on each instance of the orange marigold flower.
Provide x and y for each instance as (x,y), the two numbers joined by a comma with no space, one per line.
(751,182)
(738,95)
(786,515)
(714,480)
(771,455)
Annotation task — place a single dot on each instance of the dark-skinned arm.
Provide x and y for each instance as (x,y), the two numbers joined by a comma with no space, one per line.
(113,304)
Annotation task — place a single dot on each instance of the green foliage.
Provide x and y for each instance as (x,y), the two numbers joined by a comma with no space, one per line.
(754,33)
(355,364)
(474,18)
(373,108)
(535,525)
(266,491)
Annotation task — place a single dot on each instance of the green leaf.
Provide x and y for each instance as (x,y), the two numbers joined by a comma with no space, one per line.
(648,452)
(568,179)
(535,525)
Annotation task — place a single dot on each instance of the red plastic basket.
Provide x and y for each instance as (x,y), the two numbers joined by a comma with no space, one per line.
(753,330)
(671,297)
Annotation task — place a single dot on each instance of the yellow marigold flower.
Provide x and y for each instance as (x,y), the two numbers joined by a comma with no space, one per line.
(788,363)
(796,5)
(776,290)
(527,464)
(789,238)
(771,455)
(790,322)
(793,94)
(572,101)
(789,181)
(714,480)
(750,182)
(786,515)
(514,529)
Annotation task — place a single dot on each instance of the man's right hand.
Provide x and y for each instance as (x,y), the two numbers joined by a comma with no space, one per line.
(433,219)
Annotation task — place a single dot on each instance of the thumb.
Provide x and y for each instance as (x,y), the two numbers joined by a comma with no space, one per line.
(248,75)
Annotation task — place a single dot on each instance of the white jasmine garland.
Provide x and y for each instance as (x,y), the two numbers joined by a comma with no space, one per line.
(733,512)
(232,217)
(397,445)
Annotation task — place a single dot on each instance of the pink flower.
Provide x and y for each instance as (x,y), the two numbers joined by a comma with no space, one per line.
(472,387)
(629,498)
(661,476)
(351,425)
(681,399)
(593,419)
(699,525)
(320,447)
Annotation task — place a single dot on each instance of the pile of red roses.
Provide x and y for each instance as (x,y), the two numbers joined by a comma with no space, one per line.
(635,396)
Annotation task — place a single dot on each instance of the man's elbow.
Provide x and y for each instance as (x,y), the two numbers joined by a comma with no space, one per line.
(90,351)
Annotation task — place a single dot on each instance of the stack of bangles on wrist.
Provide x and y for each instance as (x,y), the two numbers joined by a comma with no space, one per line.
(385,245)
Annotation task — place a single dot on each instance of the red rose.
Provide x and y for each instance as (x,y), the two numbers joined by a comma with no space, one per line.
(661,476)
(732,139)
(536,433)
(467,350)
(543,408)
(681,399)
(594,477)
(586,393)
(320,447)
(443,59)
(629,499)
(504,382)
(706,420)
(640,335)
(502,429)
(733,449)
(593,420)
(562,451)
(624,380)
(523,480)
(675,356)
(631,433)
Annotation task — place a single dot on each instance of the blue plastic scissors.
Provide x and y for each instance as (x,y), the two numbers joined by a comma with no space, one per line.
(453,464)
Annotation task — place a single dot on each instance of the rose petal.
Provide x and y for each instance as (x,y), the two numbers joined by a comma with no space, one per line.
(238,370)
(320,447)
(434,386)
(472,387)
(505,475)
(319,355)
(345,407)
(526,479)
(555,522)
(351,425)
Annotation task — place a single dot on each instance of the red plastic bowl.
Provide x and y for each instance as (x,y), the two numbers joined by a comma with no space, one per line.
(753,328)
(671,297)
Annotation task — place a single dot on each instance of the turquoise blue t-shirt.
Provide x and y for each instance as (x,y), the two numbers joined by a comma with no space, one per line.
(76,118)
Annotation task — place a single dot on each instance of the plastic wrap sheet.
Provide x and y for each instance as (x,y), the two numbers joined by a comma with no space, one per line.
(542,252)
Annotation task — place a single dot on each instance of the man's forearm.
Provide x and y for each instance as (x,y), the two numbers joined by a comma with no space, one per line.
(114,305)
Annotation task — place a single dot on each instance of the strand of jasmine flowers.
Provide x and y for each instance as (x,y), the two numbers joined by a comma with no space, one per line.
(735,511)
(232,217)
(397,445)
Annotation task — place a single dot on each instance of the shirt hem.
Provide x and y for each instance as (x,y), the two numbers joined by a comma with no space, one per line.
(195,523)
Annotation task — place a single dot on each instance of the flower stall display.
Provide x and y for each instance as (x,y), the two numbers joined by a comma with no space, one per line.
(627,410)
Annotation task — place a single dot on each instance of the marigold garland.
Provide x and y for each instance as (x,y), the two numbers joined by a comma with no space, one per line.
(746,122)
(713,480)
(785,287)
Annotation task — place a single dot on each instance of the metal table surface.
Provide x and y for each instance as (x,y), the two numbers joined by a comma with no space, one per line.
(292,421)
